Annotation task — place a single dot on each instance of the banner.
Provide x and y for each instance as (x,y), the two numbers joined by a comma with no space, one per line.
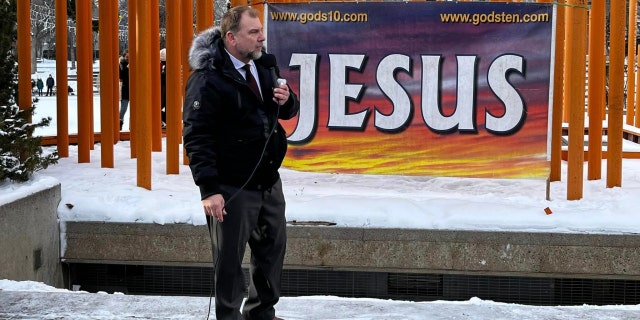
(417,88)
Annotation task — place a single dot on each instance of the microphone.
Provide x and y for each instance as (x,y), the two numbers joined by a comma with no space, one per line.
(269,61)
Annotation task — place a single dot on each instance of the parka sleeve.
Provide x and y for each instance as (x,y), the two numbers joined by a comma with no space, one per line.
(290,108)
(198,134)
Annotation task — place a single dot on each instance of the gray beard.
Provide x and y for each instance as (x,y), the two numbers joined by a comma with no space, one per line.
(255,55)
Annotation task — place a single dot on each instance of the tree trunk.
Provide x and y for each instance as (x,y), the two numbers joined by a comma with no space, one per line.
(34,63)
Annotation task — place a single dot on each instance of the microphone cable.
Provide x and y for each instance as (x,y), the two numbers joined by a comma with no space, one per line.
(216,253)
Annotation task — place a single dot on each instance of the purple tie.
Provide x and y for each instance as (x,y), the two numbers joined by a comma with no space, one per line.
(252,81)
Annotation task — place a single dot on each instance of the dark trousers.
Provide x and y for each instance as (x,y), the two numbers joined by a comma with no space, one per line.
(256,218)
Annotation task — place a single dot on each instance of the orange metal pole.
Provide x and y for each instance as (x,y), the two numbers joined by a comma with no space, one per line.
(186,17)
(106,91)
(259,6)
(186,21)
(204,14)
(156,120)
(596,89)
(115,85)
(558,97)
(174,96)
(631,61)
(143,92)
(616,94)
(565,89)
(133,27)
(576,50)
(85,81)
(24,56)
(92,129)
(637,118)
(62,95)
(236,3)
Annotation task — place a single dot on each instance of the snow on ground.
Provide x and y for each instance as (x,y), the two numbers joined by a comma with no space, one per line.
(32,300)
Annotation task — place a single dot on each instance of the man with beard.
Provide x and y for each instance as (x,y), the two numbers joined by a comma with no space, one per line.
(235,146)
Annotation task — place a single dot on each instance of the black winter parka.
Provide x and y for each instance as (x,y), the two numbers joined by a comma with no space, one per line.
(228,131)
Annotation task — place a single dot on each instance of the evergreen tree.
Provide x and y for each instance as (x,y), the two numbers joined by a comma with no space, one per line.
(8,85)
(21,153)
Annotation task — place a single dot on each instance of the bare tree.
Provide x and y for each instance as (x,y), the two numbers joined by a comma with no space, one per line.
(123,25)
(220,7)
(43,24)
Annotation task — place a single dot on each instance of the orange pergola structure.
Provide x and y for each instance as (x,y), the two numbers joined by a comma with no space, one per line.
(579,33)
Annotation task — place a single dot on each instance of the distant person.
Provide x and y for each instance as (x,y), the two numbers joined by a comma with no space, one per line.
(50,84)
(163,86)
(124,85)
(33,86)
(40,86)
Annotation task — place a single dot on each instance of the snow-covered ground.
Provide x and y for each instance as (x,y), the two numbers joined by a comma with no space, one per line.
(31,300)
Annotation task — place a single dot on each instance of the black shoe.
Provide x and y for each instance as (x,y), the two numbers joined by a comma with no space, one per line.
(121,123)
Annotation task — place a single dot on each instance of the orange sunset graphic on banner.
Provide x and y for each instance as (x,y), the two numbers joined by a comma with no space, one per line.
(416,148)
(419,151)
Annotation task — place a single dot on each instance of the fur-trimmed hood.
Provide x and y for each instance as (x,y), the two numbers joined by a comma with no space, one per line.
(204,49)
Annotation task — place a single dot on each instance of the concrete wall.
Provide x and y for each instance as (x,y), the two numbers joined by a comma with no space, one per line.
(30,247)
(363,249)
(30,238)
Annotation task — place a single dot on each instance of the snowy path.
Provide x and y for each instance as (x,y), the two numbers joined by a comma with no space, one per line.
(82,305)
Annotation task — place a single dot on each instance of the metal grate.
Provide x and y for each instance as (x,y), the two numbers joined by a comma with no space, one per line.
(597,292)
(149,280)
(338,283)
(415,286)
(522,290)
(197,281)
